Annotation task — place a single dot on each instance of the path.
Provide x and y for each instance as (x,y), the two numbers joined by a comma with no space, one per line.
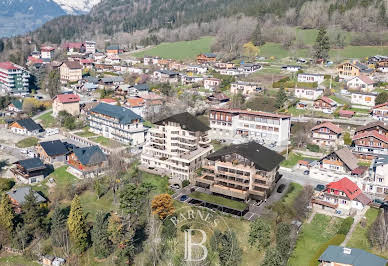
(41,113)
(311,217)
(357,219)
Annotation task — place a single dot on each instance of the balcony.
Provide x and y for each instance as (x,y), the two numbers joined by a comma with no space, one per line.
(232,192)
(256,192)
(205,179)
(231,181)
(233,175)
(239,166)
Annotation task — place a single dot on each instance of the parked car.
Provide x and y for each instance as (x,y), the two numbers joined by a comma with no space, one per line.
(281,188)
(319,187)
(378,201)
(175,186)
(183,198)
(306,172)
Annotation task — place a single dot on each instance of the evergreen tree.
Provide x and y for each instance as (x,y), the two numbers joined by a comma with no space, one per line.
(6,218)
(59,233)
(272,258)
(322,45)
(78,228)
(281,97)
(227,247)
(100,237)
(32,214)
(257,37)
(115,229)
(259,234)
(382,97)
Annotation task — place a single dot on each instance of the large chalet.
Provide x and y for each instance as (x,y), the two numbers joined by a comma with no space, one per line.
(326,134)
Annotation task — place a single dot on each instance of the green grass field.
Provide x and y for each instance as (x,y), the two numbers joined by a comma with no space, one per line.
(359,237)
(237,205)
(62,177)
(179,50)
(47,120)
(293,159)
(27,142)
(321,229)
(16,260)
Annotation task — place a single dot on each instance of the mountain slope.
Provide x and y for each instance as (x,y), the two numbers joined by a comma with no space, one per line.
(21,16)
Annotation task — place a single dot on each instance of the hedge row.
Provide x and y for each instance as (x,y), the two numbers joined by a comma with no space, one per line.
(335,241)
(291,84)
(345,226)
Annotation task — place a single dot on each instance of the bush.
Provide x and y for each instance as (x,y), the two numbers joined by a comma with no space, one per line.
(345,226)
(313,147)
(185,183)
(6,184)
(335,241)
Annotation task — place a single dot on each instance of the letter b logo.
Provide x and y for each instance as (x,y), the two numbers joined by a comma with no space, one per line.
(189,245)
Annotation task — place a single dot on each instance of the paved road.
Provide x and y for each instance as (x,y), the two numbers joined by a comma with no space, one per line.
(298,177)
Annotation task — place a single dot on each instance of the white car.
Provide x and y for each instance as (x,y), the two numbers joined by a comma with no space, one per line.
(327,111)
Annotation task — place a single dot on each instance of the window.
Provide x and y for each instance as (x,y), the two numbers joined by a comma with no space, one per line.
(381,180)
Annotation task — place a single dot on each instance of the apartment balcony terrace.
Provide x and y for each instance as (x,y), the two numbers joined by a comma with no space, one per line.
(231,181)
(227,191)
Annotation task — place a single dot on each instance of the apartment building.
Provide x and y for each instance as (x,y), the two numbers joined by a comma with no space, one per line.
(70,71)
(311,78)
(47,52)
(176,146)
(118,123)
(90,47)
(377,183)
(66,102)
(369,144)
(243,172)
(380,112)
(363,99)
(14,78)
(326,134)
(265,128)
(308,93)
(245,88)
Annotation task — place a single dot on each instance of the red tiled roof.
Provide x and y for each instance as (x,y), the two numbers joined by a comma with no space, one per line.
(70,45)
(366,79)
(346,112)
(135,102)
(327,100)
(34,60)
(67,98)
(47,48)
(107,100)
(345,185)
(87,61)
(239,111)
(373,133)
(303,162)
(359,170)
(330,126)
(8,65)
(381,105)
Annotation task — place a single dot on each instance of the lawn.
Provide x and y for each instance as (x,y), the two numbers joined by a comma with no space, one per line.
(237,205)
(91,204)
(357,51)
(293,191)
(179,50)
(16,260)
(293,159)
(359,237)
(159,182)
(27,142)
(62,177)
(106,142)
(296,112)
(320,230)
(337,99)
(47,120)
(85,134)
(360,110)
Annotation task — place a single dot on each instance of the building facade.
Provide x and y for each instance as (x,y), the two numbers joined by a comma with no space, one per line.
(326,134)
(118,123)
(14,78)
(380,112)
(311,78)
(265,128)
(71,71)
(176,146)
(245,88)
(308,93)
(243,172)
(66,102)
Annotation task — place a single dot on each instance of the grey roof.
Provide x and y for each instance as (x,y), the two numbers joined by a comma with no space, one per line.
(263,158)
(168,72)
(90,155)
(186,121)
(210,55)
(113,47)
(112,79)
(347,157)
(142,87)
(380,160)
(357,257)
(54,147)
(124,115)
(91,79)
(29,124)
(20,194)
(31,164)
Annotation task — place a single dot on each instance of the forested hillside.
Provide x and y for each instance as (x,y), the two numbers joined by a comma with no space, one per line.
(115,16)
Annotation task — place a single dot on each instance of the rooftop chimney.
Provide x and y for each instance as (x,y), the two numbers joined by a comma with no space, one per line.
(347,251)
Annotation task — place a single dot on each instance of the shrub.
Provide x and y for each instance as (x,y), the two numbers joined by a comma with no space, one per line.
(335,241)
(6,184)
(313,147)
(345,226)
(185,183)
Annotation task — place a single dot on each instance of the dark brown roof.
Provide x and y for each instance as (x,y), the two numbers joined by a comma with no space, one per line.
(73,64)
(263,158)
(371,125)
(186,121)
